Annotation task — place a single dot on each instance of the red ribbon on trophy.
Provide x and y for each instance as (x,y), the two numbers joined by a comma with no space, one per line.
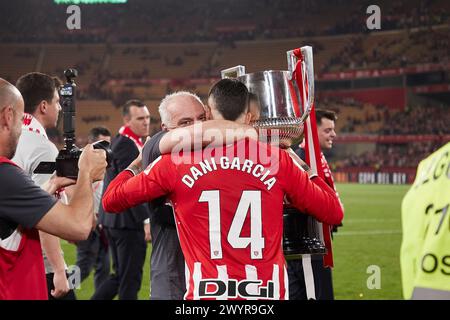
(311,141)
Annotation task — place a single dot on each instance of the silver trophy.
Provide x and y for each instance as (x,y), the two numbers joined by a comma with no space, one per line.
(282,117)
(279,96)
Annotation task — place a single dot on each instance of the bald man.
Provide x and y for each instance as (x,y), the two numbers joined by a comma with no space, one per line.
(11,103)
(25,208)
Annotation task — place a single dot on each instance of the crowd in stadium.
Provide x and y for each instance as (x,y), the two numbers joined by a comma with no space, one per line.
(243,20)
(391,53)
(249,20)
(417,120)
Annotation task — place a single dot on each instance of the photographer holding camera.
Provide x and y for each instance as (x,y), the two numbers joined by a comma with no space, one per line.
(42,107)
(26,208)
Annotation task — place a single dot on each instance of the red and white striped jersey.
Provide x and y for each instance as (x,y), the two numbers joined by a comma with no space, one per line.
(228,205)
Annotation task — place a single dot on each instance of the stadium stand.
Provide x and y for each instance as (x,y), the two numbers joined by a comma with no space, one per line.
(148,53)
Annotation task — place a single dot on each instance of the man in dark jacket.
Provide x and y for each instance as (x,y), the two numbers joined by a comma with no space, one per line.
(125,231)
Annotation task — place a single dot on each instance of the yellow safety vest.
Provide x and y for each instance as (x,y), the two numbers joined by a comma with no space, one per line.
(425,250)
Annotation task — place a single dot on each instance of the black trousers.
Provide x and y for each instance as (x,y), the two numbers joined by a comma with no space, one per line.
(128,249)
(94,253)
(69,296)
(323,282)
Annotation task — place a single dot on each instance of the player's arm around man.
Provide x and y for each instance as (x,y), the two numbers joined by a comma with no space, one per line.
(132,187)
(212,133)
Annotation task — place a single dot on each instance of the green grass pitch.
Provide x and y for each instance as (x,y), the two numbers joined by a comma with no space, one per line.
(371,236)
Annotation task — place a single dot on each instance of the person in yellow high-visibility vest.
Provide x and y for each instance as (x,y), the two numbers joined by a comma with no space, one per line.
(425,250)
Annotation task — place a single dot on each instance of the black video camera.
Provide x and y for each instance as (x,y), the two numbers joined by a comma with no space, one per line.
(66,164)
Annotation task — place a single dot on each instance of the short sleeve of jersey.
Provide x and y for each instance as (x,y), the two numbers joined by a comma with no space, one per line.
(21,200)
(45,152)
(33,149)
(151,149)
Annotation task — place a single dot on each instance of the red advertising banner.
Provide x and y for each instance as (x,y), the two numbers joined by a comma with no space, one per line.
(444,87)
(376,73)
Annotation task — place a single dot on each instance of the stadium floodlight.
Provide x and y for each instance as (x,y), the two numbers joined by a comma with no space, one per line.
(90,1)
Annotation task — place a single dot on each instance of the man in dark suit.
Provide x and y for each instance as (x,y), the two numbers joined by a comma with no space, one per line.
(125,231)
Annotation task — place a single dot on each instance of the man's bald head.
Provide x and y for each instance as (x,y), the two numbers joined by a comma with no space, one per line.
(11,113)
(9,95)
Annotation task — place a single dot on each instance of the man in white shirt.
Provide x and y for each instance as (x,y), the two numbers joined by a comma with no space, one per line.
(41,97)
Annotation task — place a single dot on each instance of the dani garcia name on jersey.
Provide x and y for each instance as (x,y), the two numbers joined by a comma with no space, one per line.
(248,166)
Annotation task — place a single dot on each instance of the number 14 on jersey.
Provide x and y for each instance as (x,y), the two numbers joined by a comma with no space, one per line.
(250,201)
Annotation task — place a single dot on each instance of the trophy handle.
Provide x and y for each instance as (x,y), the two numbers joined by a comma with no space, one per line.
(309,66)
(307,69)
(233,72)
(291,62)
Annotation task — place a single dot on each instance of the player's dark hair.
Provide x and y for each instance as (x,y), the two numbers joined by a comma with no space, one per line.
(131,103)
(327,114)
(36,87)
(94,133)
(230,97)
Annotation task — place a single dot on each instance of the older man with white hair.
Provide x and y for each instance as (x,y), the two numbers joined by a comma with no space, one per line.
(177,110)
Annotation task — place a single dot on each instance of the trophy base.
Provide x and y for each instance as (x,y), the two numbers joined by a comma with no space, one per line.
(293,251)
(283,131)
(301,234)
